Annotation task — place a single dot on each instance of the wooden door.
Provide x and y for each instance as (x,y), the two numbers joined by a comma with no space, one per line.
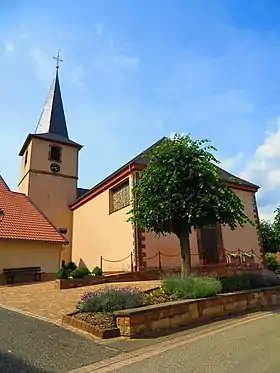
(210,244)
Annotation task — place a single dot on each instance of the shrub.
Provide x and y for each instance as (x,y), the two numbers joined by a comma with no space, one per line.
(97,271)
(110,299)
(271,261)
(62,273)
(263,278)
(231,284)
(249,280)
(191,287)
(80,272)
(77,273)
(70,267)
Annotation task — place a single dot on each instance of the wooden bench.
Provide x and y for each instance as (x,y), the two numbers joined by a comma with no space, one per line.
(32,273)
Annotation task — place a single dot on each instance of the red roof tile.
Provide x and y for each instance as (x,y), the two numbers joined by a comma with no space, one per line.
(22,220)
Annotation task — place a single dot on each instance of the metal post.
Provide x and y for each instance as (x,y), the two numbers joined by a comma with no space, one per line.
(131,261)
(159,261)
(101,260)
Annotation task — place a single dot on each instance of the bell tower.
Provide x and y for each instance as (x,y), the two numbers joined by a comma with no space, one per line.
(49,166)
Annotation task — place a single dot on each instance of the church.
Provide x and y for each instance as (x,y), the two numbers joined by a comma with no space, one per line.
(50,219)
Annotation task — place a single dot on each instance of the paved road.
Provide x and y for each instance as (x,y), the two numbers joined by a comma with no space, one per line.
(248,348)
(29,345)
(248,344)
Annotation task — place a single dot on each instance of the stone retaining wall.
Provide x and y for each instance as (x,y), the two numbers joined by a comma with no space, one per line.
(216,270)
(146,320)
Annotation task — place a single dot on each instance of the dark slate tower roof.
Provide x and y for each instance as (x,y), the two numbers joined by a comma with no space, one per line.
(52,123)
(52,119)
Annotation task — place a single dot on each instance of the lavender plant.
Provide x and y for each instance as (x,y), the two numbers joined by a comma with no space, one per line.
(110,299)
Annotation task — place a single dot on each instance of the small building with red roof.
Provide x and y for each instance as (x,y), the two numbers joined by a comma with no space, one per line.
(27,237)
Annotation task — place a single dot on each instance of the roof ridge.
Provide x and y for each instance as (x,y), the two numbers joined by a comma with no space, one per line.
(5,184)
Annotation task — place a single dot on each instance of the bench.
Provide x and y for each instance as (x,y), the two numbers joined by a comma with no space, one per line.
(32,273)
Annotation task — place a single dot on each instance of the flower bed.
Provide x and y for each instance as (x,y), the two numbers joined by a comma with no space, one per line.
(178,302)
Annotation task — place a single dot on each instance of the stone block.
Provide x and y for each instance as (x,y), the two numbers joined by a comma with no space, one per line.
(193,311)
(161,324)
(275,299)
(213,311)
(235,307)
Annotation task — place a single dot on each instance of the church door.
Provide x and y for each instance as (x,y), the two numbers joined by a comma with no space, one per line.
(209,244)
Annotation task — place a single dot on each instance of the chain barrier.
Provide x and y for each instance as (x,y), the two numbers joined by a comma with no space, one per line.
(239,253)
(116,261)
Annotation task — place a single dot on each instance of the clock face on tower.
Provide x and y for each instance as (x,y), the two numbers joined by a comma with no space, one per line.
(55,167)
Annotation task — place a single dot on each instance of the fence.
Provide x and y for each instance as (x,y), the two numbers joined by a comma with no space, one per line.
(234,257)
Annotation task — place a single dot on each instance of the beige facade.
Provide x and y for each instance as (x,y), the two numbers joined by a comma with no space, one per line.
(100,232)
(51,192)
(165,251)
(23,253)
(244,239)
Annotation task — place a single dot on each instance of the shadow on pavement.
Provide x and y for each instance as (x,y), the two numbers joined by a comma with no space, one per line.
(13,364)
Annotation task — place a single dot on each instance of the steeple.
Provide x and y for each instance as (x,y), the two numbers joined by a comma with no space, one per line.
(52,123)
(52,119)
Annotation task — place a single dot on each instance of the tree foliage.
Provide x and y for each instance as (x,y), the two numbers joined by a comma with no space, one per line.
(181,189)
(270,232)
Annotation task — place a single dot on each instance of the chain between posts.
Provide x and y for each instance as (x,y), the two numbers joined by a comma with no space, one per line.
(159,254)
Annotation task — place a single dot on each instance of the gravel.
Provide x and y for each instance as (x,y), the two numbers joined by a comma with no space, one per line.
(29,345)
(97,319)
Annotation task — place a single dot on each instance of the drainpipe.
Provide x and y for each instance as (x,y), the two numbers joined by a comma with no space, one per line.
(135,228)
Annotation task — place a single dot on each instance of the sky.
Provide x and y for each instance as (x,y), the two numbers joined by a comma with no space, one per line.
(134,71)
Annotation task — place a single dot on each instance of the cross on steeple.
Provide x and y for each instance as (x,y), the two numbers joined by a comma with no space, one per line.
(58,60)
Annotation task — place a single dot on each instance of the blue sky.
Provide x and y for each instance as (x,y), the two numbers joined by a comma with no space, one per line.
(137,70)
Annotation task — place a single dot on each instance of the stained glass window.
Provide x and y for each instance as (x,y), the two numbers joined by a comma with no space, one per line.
(120,196)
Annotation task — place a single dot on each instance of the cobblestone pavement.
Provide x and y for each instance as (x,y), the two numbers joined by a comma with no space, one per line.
(42,299)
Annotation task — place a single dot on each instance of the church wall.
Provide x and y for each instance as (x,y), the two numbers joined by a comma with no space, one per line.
(40,157)
(169,248)
(246,238)
(51,192)
(98,232)
(22,253)
(25,166)
(52,195)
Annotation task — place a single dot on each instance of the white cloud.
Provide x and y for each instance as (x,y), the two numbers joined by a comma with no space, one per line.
(99,29)
(9,47)
(129,62)
(24,35)
(77,75)
(264,166)
(232,162)
(267,212)
(270,149)
(43,64)
(264,169)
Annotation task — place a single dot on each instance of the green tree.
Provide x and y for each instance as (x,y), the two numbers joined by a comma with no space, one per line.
(180,190)
(268,236)
(270,232)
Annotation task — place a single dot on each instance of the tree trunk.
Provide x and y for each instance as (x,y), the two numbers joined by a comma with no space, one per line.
(184,239)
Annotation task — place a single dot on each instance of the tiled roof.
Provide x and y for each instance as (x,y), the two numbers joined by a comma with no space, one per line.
(143,160)
(22,220)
